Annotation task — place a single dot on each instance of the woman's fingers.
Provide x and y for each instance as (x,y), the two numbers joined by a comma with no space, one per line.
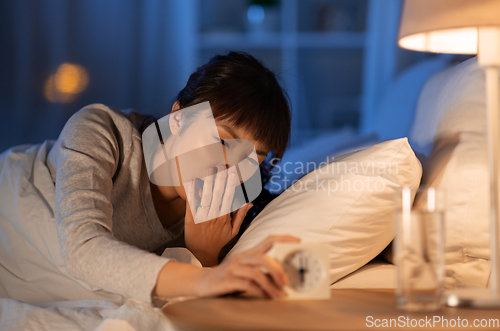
(239,217)
(269,242)
(189,188)
(255,275)
(248,287)
(244,272)
(272,266)
(221,199)
(220,182)
(206,196)
(232,182)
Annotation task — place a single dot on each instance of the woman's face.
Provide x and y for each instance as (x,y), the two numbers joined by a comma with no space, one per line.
(199,149)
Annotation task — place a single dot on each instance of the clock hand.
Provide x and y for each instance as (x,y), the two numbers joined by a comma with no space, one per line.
(302,270)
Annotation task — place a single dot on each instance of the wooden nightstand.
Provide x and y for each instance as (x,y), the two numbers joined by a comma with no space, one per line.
(348,309)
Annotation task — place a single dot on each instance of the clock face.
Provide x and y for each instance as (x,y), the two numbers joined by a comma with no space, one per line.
(303,269)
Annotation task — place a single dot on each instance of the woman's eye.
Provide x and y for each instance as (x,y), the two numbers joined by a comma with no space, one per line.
(252,160)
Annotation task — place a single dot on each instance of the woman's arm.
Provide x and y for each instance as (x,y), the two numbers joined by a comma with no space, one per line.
(88,157)
(241,273)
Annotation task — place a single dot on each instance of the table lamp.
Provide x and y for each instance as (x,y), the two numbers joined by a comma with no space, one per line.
(466,27)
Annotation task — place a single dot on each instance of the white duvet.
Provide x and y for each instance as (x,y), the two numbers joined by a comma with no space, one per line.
(32,269)
(81,315)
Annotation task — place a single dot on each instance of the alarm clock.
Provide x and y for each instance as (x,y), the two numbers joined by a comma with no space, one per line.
(306,265)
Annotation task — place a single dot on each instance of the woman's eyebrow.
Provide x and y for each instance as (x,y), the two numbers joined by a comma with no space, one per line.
(230,131)
(235,136)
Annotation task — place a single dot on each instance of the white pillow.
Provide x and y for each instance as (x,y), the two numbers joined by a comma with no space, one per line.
(458,86)
(459,166)
(403,92)
(356,219)
(375,274)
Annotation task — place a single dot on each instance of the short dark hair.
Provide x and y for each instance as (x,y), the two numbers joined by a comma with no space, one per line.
(243,91)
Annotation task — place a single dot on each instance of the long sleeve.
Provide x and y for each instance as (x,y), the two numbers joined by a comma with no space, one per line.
(90,150)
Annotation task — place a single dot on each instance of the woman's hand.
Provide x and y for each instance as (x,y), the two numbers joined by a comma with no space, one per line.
(211,232)
(243,273)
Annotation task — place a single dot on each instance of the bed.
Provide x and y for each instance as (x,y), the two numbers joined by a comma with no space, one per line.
(357,241)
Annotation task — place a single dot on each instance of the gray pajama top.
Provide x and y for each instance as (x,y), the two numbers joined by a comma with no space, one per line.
(105,217)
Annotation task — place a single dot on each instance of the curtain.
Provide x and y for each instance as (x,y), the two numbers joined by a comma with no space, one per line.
(57,56)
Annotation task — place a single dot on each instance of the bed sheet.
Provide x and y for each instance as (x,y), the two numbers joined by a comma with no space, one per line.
(100,315)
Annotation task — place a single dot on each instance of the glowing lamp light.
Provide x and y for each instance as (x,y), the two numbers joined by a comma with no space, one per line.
(446,26)
(451,41)
(65,85)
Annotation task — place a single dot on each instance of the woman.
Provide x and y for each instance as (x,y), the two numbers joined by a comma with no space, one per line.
(109,217)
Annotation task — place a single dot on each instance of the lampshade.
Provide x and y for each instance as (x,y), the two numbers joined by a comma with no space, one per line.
(446,26)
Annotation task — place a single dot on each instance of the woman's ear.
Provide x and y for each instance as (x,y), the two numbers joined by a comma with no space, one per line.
(174,121)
